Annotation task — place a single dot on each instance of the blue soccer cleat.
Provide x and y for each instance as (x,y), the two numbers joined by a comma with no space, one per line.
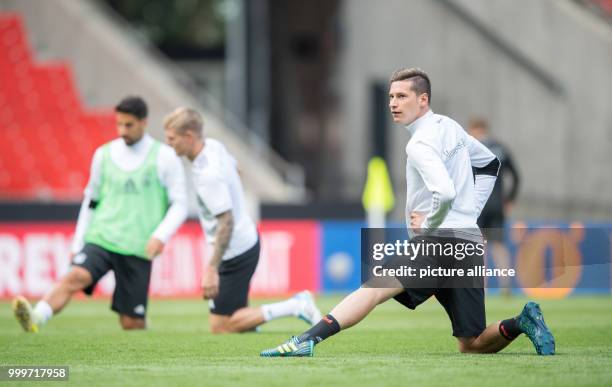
(531,322)
(291,348)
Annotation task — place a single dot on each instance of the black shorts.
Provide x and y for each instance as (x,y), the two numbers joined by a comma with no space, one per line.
(464,305)
(132,277)
(234,280)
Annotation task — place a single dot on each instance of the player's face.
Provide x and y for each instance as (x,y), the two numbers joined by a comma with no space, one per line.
(181,143)
(405,105)
(129,127)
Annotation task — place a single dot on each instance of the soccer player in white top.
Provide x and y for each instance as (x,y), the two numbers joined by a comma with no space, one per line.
(134,202)
(230,232)
(442,192)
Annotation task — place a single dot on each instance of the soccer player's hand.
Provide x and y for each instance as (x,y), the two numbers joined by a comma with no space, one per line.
(416,219)
(154,248)
(210,282)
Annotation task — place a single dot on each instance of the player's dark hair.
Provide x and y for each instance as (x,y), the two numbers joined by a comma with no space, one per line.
(133,105)
(419,78)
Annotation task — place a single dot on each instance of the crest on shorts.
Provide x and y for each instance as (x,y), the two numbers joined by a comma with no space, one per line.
(139,309)
(79,258)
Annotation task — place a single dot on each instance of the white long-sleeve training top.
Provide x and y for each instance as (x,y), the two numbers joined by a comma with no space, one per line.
(449,174)
(130,157)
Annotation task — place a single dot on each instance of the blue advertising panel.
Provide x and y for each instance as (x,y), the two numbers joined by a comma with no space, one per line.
(340,268)
(563,258)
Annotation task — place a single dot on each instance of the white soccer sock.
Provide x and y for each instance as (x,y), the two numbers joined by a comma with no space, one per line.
(285,308)
(42,312)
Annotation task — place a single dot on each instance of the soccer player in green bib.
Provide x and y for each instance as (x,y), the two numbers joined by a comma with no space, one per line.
(134,202)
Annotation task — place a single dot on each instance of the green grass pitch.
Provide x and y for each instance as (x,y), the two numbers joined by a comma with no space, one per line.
(391,347)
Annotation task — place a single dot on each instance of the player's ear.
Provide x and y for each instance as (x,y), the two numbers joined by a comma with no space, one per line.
(424,99)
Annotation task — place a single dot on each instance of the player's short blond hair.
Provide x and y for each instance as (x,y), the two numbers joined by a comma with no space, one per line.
(183,119)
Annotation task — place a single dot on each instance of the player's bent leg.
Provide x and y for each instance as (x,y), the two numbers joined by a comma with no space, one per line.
(77,279)
(489,341)
(132,323)
(242,320)
(499,335)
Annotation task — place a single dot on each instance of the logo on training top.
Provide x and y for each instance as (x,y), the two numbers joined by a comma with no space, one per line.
(140,309)
(129,187)
(79,258)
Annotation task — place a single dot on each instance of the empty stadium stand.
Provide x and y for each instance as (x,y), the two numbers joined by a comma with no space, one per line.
(605,6)
(48,136)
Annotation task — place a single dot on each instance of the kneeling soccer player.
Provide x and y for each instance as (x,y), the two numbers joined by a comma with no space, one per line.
(229,230)
(450,176)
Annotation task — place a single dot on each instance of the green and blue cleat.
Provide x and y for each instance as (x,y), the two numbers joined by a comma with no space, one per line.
(531,322)
(291,348)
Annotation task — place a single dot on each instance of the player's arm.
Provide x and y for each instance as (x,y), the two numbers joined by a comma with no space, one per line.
(426,159)
(210,280)
(225,227)
(215,194)
(90,201)
(486,168)
(172,176)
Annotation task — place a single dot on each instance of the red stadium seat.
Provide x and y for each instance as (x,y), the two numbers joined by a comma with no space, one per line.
(48,136)
(602,6)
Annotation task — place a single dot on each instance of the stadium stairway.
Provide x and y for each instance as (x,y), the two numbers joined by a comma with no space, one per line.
(59,59)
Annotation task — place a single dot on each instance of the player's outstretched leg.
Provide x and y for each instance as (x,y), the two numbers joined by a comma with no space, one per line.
(531,322)
(24,314)
(32,319)
(348,312)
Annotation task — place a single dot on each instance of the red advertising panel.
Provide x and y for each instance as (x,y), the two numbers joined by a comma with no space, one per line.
(291,257)
(35,255)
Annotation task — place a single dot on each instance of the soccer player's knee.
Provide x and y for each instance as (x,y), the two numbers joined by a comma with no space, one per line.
(466,347)
(218,329)
(128,323)
(218,324)
(77,279)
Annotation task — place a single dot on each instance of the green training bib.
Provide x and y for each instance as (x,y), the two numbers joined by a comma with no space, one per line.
(130,207)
